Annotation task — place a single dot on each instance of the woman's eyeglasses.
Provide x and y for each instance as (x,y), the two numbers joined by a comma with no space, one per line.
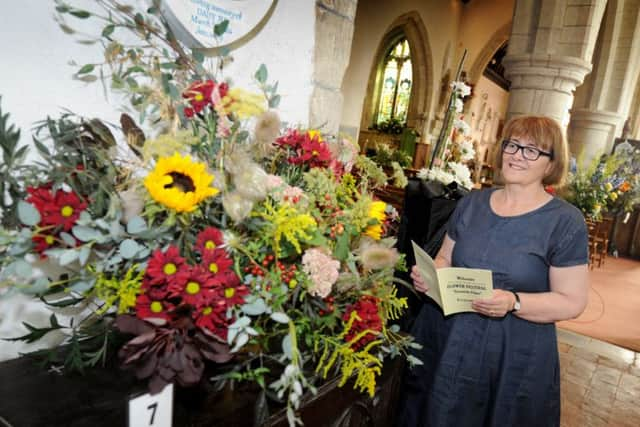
(529,153)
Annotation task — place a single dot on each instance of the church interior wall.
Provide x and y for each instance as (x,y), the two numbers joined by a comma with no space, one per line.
(451,27)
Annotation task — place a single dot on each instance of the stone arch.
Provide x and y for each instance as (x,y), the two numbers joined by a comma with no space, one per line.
(499,38)
(411,25)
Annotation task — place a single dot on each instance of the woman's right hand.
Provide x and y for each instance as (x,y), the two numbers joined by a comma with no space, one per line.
(418,282)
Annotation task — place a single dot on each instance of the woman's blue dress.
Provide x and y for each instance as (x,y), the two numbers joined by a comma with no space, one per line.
(481,371)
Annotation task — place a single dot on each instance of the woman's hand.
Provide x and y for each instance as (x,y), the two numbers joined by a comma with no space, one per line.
(497,306)
(418,283)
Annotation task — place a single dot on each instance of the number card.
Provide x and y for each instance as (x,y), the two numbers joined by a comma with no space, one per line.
(152,410)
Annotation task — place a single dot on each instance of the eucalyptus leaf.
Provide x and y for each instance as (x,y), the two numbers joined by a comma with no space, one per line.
(84,255)
(274,101)
(136,225)
(82,286)
(261,74)
(280,317)
(21,268)
(28,214)
(286,347)
(86,234)
(108,30)
(68,239)
(129,248)
(240,341)
(255,308)
(39,286)
(68,256)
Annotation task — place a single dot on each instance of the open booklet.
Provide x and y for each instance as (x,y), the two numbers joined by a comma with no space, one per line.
(453,289)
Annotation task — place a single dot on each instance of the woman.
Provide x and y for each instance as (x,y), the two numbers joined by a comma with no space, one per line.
(498,366)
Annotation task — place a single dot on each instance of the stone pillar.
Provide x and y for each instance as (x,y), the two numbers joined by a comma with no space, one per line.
(549,54)
(603,102)
(333,36)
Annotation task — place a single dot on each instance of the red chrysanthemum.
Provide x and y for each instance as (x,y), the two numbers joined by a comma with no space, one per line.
(167,267)
(292,139)
(200,288)
(40,197)
(314,152)
(208,239)
(156,291)
(233,291)
(216,261)
(368,319)
(43,242)
(199,94)
(213,318)
(66,210)
(56,209)
(148,307)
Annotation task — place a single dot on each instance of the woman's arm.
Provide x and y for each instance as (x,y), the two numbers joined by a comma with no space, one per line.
(566,300)
(443,259)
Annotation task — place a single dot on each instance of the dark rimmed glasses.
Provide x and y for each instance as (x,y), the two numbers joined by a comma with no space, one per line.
(529,153)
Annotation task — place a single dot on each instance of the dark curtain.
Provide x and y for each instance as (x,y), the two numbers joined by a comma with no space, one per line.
(427,208)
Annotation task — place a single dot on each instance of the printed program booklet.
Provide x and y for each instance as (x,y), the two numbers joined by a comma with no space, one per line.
(453,289)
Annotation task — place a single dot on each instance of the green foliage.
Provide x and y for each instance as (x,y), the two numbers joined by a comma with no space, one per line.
(13,156)
(392,126)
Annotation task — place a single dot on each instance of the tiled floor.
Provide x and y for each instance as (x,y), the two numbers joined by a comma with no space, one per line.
(600,383)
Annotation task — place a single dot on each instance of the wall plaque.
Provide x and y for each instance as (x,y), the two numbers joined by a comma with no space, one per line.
(192,21)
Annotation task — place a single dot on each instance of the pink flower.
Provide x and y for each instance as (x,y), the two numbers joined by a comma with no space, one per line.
(322,270)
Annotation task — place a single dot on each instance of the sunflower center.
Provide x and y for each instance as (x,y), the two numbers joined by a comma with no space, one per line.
(66,211)
(210,244)
(169,268)
(49,240)
(156,307)
(229,292)
(213,267)
(207,311)
(181,181)
(192,288)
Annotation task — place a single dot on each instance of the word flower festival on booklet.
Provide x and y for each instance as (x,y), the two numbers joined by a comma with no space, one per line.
(213,237)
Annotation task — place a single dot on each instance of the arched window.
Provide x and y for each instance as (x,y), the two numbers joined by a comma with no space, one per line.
(396,82)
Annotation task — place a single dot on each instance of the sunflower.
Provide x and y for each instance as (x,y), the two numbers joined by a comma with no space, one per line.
(376,211)
(179,183)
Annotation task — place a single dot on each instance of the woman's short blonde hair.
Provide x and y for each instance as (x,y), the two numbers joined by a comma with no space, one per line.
(547,135)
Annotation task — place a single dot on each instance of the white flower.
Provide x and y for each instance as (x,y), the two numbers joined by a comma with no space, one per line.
(461,174)
(459,105)
(436,174)
(466,149)
(461,88)
(462,126)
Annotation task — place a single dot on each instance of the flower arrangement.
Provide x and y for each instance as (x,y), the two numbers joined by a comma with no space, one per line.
(222,240)
(453,166)
(610,183)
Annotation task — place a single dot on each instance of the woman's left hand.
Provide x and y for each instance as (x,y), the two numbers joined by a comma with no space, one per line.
(497,306)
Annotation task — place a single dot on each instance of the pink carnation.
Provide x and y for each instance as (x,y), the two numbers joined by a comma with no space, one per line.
(293,194)
(274,182)
(322,270)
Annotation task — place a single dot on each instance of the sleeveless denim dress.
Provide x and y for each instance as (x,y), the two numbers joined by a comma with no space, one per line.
(500,372)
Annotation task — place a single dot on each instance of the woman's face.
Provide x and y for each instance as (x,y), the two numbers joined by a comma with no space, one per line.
(518,169)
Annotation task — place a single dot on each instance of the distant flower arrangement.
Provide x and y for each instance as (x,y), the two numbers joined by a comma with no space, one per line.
(453,154)
(223,239)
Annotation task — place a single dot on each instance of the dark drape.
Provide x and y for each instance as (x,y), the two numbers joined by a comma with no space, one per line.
(426,210)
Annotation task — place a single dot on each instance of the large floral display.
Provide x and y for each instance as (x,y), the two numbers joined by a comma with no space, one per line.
(222,240)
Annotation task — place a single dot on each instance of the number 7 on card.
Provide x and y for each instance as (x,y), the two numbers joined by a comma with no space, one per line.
(152,410)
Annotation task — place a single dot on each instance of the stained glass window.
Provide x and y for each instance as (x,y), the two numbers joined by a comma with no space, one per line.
(396,84)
